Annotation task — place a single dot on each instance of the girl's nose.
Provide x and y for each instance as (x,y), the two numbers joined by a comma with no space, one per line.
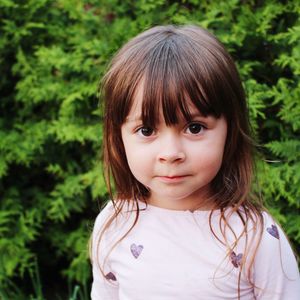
(171,150)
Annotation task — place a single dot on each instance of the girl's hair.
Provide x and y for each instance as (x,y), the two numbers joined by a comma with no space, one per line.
(179,65)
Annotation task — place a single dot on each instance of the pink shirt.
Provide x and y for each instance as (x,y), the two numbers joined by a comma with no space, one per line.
(173,255)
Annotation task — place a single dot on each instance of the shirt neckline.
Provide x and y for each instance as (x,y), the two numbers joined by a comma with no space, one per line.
(145,206)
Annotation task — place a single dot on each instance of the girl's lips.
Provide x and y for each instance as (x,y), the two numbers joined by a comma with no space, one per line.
(170,179)
(178,176)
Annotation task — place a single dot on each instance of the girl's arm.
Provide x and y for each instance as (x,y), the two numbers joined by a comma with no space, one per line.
(276,274)
(102,288)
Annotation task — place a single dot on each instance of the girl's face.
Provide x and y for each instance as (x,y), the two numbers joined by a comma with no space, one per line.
(176,163)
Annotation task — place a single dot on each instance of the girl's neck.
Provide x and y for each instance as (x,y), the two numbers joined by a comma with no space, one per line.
(173,204)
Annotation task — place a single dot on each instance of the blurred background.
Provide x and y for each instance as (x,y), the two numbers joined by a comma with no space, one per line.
(52,56)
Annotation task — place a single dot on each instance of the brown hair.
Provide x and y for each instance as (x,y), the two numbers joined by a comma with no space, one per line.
(180,64)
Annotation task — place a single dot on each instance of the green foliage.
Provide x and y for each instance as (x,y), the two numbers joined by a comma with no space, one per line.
(52,55)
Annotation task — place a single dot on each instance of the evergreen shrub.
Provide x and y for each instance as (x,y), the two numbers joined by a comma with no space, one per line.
(52,55)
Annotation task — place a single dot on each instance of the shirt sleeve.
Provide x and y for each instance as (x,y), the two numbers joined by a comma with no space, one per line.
(104,287)
(276,274)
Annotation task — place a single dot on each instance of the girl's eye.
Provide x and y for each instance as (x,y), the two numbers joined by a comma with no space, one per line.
(194,128)
(145,131)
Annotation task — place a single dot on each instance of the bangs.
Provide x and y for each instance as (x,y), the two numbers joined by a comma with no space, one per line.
(179,69)
(174,81)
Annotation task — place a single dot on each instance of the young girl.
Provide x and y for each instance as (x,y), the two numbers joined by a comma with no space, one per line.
(183,224)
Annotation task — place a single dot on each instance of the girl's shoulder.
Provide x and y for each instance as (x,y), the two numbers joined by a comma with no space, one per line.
(270,229)
(254,221)
(273,238)
(103,216)
(258,230)
(113,217)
